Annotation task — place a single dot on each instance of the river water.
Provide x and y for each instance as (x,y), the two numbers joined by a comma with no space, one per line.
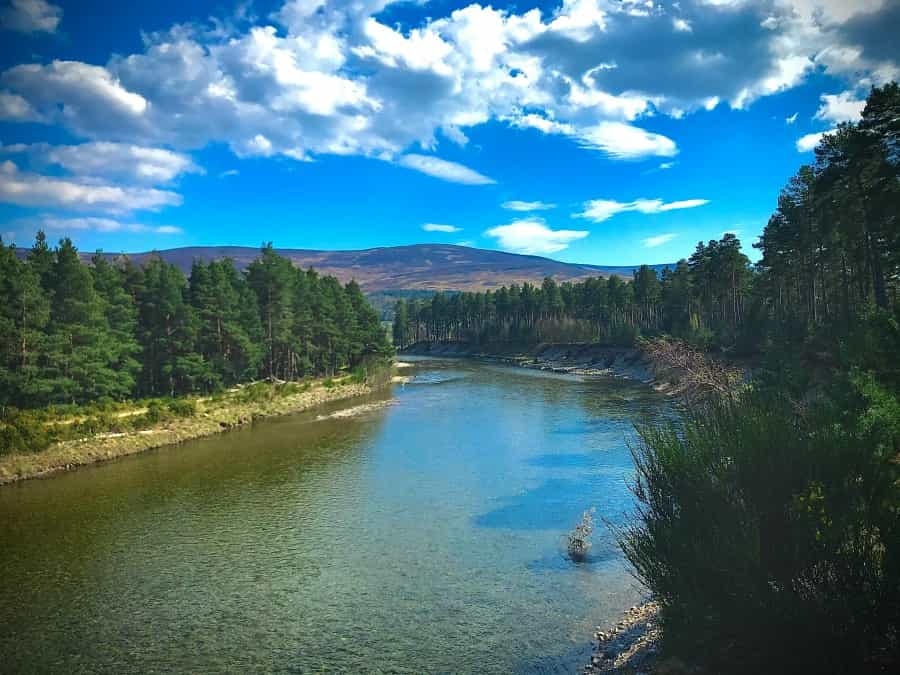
(416,531)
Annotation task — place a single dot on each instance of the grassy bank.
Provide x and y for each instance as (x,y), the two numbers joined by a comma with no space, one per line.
(92,437)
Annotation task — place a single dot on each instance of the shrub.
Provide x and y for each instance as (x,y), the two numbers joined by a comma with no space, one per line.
(23,431)
(181,407)
(156,412)
(96,423)
(258,391)
(771,537)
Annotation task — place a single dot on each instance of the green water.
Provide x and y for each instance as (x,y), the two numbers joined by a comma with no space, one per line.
(421,534)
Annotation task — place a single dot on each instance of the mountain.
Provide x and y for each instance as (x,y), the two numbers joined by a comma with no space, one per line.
(427,267)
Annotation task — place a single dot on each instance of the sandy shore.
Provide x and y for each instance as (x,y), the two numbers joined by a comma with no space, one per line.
(213,416)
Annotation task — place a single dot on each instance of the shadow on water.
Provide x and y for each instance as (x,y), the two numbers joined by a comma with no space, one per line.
(549,506)
(569,460)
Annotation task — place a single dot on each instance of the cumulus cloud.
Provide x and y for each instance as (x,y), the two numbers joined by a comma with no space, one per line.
(31,16)
(809,142)
(532,236)
(30,189)
(516,205)
(599,210)
(85,98)
(435,227)
(658,240)
(843,107)
(440,168)
(331,78)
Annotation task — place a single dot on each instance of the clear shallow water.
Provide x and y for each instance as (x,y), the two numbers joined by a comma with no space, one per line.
(422,534)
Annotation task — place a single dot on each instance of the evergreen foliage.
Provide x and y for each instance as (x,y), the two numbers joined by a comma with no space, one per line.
(703,299)
(72,333)
(769,520)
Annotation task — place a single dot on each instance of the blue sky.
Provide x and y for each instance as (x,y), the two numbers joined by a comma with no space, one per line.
(601,131)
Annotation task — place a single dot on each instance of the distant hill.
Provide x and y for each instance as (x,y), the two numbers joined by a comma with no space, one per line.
(427,267)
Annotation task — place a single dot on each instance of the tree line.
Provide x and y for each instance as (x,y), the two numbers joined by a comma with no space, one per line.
(75,333)
(830,254)
(703,298)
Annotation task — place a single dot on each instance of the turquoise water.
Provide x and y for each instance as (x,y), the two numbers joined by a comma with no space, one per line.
(416,531)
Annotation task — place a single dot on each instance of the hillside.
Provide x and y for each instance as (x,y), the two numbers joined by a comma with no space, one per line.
(417,267)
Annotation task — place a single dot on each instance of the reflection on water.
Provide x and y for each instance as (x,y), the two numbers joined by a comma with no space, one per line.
(418,532)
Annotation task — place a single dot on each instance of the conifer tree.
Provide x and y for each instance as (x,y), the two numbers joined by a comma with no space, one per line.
(24,314)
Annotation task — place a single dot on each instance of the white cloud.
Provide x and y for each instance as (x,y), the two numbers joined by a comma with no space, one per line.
(229,172)
(84,98)
(148,166)
(31,16)
(29,189)
(531,236)
(624,141)
(103,225)
(658,240)
(15,108)
(843,107)
(440,168)
(666,165)
(598,210)
(790,120)
(516,205)
(333,79)
(617,139)
(434,227)
(809,142)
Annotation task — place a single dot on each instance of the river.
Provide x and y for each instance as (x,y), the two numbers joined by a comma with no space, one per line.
(416,531)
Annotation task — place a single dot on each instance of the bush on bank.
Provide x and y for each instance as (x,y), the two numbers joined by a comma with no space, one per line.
(770,534)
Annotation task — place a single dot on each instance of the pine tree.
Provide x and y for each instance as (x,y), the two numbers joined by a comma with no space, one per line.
(272,279)
(42,259)
(167,329)
(81,355)
(24,314)
(223,338)
(401,324)
(120,312)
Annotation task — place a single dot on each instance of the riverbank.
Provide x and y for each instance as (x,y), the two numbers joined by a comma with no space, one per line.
(629,646)
(669,367)
(572,359)
(213,415)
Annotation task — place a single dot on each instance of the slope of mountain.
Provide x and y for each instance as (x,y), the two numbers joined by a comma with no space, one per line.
(417,267)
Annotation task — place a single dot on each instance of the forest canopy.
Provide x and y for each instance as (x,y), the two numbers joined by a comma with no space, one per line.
(75,333)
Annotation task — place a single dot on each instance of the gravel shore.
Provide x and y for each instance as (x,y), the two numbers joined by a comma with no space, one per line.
(630,646)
